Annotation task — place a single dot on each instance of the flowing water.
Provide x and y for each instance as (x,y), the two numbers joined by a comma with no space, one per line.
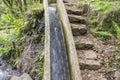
(59,60)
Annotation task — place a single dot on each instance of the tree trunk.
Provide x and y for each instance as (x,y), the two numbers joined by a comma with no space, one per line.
(25,4)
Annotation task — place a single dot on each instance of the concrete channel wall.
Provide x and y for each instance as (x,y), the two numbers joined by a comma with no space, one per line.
(71,50)
(72,54)
(47,70)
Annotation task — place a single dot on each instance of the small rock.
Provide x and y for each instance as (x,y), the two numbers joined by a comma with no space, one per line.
(25,77)
(117,75)
(22,77)
(15,78)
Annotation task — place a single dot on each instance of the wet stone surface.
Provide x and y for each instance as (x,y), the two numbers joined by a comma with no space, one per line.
(6,71)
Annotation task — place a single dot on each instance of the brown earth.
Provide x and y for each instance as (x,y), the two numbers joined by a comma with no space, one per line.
(93,54)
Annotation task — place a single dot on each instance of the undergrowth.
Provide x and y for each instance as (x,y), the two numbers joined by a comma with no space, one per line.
(41,62)
(104,19)
(15,23)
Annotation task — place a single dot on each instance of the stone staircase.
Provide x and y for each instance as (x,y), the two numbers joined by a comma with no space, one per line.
(84,41)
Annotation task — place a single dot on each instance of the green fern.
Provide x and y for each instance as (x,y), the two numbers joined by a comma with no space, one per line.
(117,28)
(102,34)
(40,61)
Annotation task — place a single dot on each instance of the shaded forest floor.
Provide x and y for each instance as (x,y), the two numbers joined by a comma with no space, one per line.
(103,21)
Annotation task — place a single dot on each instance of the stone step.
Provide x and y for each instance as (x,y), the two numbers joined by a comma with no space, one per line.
(73,10)
(92,75)
(70,1)
(89,64)
(77,19)
(78,29)
(84,42)
(65,1)
(88,59)
(70,4)
(87,54)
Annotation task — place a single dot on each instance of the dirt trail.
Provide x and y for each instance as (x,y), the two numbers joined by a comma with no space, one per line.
(91,52)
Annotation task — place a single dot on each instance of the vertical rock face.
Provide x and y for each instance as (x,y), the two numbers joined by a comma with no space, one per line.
(22,77)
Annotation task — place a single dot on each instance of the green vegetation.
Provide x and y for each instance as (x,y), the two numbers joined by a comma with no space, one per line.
(105,5)
(81,4)
(10,28)
(104,21)
(101,34)
(51,1)
(117,29)
(41,62)
(104,18)
(18,20)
